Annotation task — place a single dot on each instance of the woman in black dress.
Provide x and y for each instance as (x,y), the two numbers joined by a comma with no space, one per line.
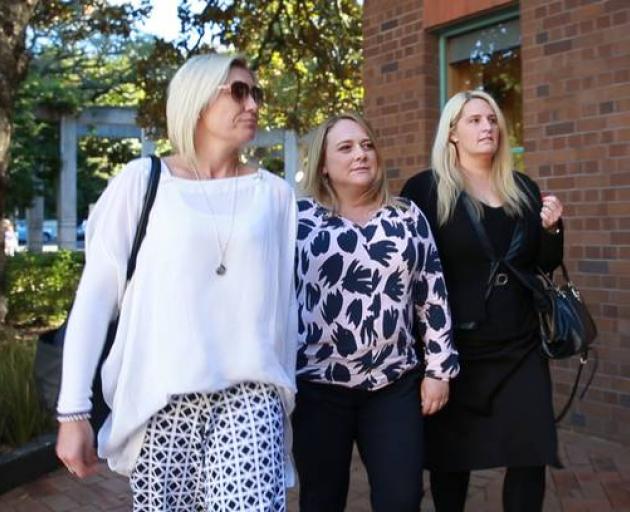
(500,413)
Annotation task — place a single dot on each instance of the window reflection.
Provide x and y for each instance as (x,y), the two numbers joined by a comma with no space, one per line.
(490,59)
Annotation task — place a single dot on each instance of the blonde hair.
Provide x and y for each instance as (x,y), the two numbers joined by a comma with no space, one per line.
(193,87)
(318,186)
(444,160)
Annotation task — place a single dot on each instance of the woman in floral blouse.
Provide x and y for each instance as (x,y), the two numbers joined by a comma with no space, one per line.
(369,281)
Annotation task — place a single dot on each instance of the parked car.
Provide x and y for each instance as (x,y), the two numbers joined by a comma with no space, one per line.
(21,230)
(49,230)
(81,230)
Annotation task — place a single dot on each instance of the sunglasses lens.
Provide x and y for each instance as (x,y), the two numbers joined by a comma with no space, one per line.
(240,91)
(257,95)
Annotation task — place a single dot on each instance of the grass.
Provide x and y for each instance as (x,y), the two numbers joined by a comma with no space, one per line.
(21,415)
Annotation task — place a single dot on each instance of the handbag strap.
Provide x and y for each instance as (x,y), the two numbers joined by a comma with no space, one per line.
(141,229)
(483,238)
(583,360)
(482,235)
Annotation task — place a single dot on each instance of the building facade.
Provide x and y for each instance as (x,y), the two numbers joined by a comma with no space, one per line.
(560,69)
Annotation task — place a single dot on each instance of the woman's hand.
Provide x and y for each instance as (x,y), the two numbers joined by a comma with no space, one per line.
(75,447)
(551,212)
(434,395)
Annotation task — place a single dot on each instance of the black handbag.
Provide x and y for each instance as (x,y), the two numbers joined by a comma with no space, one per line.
(49,353)
(566,327)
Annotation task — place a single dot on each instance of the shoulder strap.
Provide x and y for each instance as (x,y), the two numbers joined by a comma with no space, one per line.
(141,229)
(584,358)
(482,235)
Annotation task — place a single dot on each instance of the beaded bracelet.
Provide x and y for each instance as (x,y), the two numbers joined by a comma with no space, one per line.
(77,416)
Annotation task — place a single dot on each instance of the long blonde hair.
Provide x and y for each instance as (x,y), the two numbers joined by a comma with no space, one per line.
(318,186)
(450,181)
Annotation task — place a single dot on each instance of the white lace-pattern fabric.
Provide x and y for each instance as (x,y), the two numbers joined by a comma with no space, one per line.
(219,452)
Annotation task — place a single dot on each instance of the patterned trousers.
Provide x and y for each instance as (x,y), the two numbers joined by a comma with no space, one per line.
(218,452)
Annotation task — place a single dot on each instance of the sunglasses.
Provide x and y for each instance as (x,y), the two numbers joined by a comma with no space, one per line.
(240,91)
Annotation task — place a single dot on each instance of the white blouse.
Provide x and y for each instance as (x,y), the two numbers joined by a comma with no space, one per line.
(182,327)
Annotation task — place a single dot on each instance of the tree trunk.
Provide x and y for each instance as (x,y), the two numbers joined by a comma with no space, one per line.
(15,16)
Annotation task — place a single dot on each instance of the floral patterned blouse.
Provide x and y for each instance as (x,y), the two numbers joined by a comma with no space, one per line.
(364,294)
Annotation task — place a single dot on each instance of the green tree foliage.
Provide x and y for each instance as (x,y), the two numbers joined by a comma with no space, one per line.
(42,99)
(98,160)
(15,16)
(40,287)
(82,36)
(307,54)
(68,41)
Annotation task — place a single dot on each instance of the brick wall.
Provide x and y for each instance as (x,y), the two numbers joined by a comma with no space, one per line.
(576,103)
(576,93)
(401,84)
(440,12)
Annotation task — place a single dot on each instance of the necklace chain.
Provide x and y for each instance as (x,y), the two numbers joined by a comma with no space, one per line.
(221,268)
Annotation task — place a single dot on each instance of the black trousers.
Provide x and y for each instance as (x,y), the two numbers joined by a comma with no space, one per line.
(386,424)
(523,489)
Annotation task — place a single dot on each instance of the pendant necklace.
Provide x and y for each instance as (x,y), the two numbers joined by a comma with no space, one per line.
(221,268)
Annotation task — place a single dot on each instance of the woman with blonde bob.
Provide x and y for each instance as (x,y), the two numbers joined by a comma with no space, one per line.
(500,413)
(367,275)
(200,377)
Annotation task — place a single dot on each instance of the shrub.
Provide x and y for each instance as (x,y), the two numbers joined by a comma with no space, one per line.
(40,287)
(22,417)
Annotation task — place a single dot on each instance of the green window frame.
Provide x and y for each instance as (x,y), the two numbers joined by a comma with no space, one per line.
(459,29)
